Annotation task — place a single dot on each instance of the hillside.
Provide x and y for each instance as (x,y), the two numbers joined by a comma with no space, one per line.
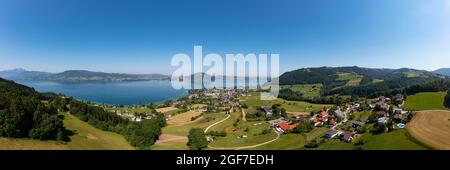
(356,80)
(78,75)
(443,71)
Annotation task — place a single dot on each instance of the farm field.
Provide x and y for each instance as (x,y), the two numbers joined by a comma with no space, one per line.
(426,101)
(166,109)
(352,79)
(308,90)
(182,130)
(290,106)
(202,122)
(183,117)
(432,128)
(86,137)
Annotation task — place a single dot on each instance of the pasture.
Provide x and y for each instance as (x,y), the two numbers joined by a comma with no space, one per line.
(426,101)
(432,128)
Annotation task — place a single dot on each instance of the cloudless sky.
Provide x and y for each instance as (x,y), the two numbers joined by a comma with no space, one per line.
(134,36)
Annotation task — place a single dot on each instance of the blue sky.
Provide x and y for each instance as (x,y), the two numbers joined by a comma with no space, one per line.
(142,36)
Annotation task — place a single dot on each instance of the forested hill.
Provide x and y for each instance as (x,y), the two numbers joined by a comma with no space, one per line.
(25,113)
(329,75)
(356,80)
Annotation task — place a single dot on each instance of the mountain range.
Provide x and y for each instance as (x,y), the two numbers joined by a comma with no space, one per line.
(78,75)
(443,71)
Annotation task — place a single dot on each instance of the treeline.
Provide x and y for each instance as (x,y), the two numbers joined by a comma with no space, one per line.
(26,113)
(141,134)
(447,99)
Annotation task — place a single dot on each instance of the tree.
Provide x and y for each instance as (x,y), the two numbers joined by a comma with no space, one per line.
(447,99)
(197,139)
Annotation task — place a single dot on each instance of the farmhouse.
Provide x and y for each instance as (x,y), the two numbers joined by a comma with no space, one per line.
(286,127)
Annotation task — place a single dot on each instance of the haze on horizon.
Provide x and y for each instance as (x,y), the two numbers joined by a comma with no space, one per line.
(141,37)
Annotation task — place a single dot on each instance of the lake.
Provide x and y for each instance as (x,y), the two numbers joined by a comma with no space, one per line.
(126,93)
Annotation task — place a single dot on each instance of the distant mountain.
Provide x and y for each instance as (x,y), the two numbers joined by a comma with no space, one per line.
(22,74)
(443,71)
(78,75)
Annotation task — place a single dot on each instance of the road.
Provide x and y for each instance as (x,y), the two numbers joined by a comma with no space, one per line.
(343,121)
(247,147)
(241,147)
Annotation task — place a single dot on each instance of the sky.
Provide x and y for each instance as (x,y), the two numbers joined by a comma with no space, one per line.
(133,36)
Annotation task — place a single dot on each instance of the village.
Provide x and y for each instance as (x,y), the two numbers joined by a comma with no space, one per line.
(382,114)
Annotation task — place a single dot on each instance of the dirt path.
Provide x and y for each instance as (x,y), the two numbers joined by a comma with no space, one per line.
(244,115)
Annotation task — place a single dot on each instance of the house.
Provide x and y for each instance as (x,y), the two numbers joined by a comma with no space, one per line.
(286,127)
(348,136)
(267,110)
(399,99)
(382,120)
(339,113)
(355,124)
(381,114)
(398,117)
(332,122)
(276,122)
(331,134)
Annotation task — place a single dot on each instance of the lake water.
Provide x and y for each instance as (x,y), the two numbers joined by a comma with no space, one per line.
(126,93)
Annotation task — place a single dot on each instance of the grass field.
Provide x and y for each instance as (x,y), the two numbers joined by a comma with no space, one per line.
(308,90)
(166,109)
(235,134)
(361,116)
(352,79)
(86,137)
(183,131)
(89,138)
(431,128)
(426,101)
(203,122)
(395,140)
(30,144)
(286,142)
(182,117)
(290,106)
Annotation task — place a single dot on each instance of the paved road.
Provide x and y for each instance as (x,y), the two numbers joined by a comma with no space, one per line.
(206,130)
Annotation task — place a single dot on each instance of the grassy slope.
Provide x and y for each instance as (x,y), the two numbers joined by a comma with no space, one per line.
(183,130)
(308,90)
(426,101)
(395,140)
(291,106)
(86,137)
